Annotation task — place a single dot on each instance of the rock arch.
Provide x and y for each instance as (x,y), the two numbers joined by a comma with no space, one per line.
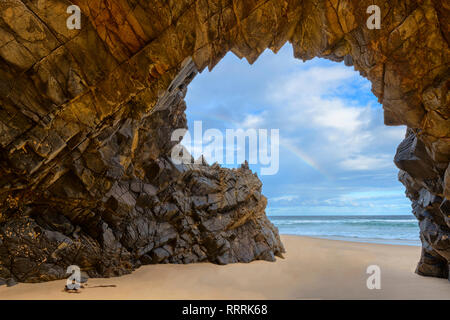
(86,116)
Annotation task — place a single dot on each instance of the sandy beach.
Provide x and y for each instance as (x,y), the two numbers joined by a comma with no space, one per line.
(312,269)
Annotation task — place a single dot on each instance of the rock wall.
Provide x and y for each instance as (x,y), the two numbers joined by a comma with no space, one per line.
(424,182)
(121,202)
(86,117)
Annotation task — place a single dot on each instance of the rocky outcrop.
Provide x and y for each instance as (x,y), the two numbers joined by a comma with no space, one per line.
(121,202)
(423,179)
(86,117)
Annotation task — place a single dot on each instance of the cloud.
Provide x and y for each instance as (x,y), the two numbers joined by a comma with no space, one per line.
(284,198)
(318,103)
(333,141)
(252,121)
(364,163)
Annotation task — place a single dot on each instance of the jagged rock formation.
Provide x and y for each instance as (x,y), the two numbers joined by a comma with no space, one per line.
(423,179)
(121,202)
(86,117)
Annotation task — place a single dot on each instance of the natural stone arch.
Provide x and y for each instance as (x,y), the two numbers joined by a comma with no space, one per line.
(86,117)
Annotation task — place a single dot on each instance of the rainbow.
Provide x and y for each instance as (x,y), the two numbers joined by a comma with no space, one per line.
(296,151)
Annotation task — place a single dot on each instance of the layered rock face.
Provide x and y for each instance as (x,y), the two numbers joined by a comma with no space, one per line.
(424,182)
(121,202)
(86,118)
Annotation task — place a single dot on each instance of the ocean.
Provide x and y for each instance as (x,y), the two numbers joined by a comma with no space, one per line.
(398,229)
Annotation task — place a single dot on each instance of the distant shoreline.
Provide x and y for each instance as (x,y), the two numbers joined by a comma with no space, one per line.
(395,242)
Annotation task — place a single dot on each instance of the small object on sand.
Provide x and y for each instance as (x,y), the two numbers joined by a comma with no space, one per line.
(73,286)
(11,282)
(105,286)
(71,290)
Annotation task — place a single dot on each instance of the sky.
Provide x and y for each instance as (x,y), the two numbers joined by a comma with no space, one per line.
(335,153)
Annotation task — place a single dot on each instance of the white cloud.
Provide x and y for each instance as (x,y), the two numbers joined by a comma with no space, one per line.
(284,198)
(252,121)
(362,162)
(341,131)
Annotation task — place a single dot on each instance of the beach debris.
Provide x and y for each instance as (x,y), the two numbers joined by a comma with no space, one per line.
(74,287)
(85,286)
(71,290)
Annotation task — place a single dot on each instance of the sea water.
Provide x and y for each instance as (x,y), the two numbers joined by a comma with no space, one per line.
(397,229)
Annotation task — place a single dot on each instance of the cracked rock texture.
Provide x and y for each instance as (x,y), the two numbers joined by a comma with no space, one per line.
(86,117)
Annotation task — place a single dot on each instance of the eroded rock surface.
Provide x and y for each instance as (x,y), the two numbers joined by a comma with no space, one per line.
(86,117)
(423,180)
(121,202)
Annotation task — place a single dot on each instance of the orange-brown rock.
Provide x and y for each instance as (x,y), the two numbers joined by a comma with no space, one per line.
(86,116)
